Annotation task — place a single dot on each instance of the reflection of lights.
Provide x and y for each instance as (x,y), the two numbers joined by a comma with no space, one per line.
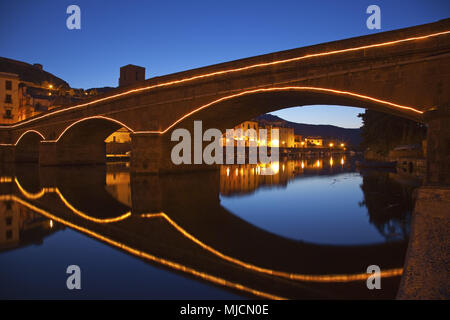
(51,223)
(237,172)
(292,276)
(317,163)
(342,160)
(228,172)
(283,167)
(5,179)
(299,277)
(242,171)
(331,161)
(145,255)
(34,196)
(275,166)
(303,165)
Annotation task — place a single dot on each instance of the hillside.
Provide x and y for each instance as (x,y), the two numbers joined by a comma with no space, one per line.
(30,73)
(352,136)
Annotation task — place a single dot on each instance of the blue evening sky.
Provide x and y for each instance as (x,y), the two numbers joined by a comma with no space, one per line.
(169,36)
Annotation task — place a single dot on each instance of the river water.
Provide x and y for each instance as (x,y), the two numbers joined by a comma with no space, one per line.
(308,231)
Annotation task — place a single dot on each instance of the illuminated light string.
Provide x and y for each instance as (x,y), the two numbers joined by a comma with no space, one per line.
(34,196)
(21,136)
(90,118)
(147,256)
(292,276)
(229,97)
(317,89)
(259,65)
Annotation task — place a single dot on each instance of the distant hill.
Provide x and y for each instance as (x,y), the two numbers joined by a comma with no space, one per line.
(30,73)
(101,90)
(352,136)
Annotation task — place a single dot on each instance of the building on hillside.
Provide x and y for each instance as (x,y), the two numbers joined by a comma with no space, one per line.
(298,142)
(119,142)
(241,133)
(27,90)
(34,100)
(9,97)
(286,137)
(314,141)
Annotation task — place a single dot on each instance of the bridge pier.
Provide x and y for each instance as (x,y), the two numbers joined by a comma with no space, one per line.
(426,266)
(55,153)
(8,153)
(146,153)
(438,146)
(151,153)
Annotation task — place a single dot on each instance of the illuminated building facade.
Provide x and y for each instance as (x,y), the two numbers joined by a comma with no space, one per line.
(9,97)
(314,141)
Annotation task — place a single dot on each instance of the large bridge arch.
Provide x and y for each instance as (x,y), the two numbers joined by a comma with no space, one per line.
(226,112)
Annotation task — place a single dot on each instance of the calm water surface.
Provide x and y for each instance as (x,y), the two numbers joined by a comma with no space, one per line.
(209,235)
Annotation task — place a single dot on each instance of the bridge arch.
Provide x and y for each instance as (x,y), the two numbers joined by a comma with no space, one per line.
(81,142)
(27,146)
(226,112)
(99,126)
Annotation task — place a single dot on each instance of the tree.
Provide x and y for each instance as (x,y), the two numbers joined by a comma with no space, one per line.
(382,132)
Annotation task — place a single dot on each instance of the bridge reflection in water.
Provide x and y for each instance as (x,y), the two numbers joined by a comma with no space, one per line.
(178,222)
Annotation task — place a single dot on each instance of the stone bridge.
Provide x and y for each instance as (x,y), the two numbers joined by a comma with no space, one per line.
(404,72)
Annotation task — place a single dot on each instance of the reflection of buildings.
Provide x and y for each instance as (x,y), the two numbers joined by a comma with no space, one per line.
(246,178)
(20,226)
(118,184)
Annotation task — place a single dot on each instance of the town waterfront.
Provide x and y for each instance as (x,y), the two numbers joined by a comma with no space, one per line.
(157,237)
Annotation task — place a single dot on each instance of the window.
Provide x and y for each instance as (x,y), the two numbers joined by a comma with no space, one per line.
(8,234)
(8,114)
(8,85)
(8,221)
(8,98)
